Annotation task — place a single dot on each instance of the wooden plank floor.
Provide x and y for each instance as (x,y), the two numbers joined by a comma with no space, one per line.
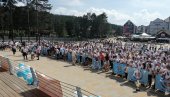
(11,86)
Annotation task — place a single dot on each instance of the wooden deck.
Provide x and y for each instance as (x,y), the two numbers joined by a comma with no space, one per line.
(11,86)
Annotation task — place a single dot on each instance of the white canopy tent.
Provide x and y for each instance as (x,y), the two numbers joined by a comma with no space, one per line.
(135,36)
(145,35)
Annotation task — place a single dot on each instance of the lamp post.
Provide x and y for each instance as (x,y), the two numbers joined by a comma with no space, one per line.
(28,20)
(38,37)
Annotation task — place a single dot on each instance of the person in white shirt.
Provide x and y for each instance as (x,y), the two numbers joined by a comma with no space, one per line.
(38,51)
(25,52)
(165,73)
(73,57)
(137,75)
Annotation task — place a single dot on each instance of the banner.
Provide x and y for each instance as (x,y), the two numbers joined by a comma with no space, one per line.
(143,75)
(83,58)
(94,65)
(162,83)
(44,51)
(78,57)
(69,57)
(119,68)
(130,74)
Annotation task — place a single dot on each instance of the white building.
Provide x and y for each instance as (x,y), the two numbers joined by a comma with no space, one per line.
(158,25)
(168,22)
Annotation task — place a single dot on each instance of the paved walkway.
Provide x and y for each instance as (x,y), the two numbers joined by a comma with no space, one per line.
(100,83)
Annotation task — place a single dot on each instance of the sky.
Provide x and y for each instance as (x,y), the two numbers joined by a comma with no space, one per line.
(140,12)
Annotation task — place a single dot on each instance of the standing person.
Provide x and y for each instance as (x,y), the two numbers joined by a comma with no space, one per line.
(81,52)
(106,62)
(165,74)
(167,79)
(57,53)
(25,52)
(62,50)
(111,59)
(126,71)
(38,51)
(32,55)
(102,59)
(149,68)
(14,49)
(137,74)
(74,57)
(65,55)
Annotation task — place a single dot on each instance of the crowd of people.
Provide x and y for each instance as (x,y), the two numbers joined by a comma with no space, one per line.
(101,54)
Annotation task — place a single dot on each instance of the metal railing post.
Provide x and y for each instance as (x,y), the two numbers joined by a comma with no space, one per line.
(79,94)
(10,66)
(35,81)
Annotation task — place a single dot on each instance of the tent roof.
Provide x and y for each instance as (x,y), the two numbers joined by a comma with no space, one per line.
(145,34)
(134,35)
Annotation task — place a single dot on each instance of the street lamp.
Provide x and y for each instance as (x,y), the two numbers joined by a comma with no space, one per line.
(39,38)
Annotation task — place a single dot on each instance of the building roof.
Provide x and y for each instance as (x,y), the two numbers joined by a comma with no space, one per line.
(145,34)
(157,20)
(167,19)
(166,31)
(129,21)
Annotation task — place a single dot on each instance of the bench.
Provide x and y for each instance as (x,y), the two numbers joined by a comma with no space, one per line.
(12,86)
(4,63)
(49,86)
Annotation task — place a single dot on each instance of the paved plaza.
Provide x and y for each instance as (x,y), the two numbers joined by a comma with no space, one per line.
(97,82)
